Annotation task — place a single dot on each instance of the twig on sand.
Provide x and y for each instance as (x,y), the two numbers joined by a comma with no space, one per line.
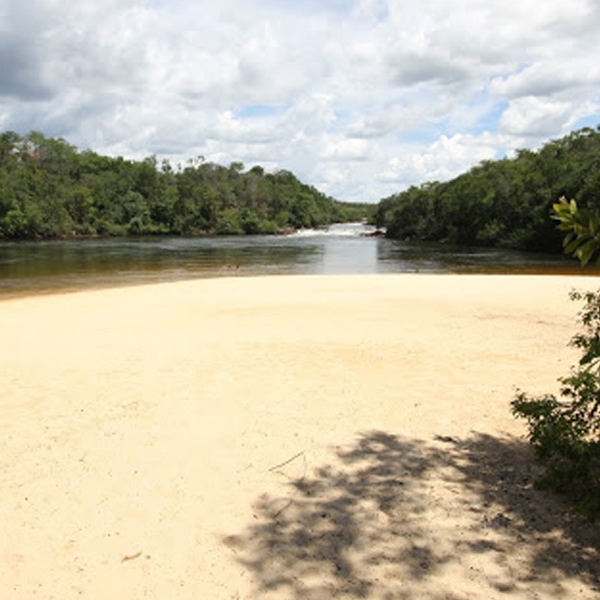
(289,460)
(287,505)
(131,556)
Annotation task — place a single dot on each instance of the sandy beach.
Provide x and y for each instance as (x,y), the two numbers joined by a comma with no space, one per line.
(286,438)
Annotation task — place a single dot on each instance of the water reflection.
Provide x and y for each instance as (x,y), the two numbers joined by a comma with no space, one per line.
(40,267)
(441,258)
(37,267)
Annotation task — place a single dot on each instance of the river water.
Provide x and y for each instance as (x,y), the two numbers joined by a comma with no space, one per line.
(40,267)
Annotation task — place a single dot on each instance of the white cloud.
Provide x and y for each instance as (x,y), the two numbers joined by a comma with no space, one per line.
(543,80)
(339,148)
(445,158)
(535,117)
(358,97)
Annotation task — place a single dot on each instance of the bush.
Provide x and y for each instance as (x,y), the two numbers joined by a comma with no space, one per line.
(565,431)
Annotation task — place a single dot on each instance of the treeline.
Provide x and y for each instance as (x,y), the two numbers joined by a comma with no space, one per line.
(503,203)
(50,189)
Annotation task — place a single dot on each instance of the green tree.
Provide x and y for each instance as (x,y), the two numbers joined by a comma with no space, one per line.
(48,188)
(505,203)
(565,431)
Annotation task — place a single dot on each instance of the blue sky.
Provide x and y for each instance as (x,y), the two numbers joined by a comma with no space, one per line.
(360,98)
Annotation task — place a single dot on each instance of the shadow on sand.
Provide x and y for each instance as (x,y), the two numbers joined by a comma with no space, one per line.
(400,518)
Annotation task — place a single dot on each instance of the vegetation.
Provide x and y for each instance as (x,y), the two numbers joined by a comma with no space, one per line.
(565,431)
(50,189)
(503,203)
(582,227)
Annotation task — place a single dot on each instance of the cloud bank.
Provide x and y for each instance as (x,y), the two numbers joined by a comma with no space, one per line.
(360,98)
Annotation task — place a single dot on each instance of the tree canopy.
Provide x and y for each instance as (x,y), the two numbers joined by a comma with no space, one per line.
(48,188)
(502,203)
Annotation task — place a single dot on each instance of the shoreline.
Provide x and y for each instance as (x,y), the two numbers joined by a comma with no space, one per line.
(274,437)
(61,288)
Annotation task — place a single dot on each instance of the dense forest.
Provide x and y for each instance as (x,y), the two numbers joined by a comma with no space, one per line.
(503,203)
(49,189)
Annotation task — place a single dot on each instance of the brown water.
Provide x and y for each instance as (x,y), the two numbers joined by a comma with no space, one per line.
(41,267)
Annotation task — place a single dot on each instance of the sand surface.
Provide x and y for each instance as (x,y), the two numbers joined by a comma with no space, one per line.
(285,438)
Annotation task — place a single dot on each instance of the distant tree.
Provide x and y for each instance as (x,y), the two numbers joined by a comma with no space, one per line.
(503,203)
(48,189)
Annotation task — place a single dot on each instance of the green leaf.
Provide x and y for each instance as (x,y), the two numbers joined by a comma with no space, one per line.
(572,246)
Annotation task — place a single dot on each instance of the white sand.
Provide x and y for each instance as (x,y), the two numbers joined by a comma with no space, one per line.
(142,429)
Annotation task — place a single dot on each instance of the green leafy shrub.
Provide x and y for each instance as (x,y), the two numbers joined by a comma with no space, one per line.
(565,431)
(582,227)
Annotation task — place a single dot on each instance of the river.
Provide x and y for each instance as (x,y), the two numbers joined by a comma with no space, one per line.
(63,265)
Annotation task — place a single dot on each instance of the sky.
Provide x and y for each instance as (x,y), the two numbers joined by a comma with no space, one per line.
(359,98)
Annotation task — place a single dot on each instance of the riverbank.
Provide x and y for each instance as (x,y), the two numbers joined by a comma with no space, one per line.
(277,437)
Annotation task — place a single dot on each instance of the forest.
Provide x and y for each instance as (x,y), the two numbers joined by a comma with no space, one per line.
(502,203)
(50,189)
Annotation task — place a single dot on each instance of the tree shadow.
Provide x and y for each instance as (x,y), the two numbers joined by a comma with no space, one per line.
(399,518)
